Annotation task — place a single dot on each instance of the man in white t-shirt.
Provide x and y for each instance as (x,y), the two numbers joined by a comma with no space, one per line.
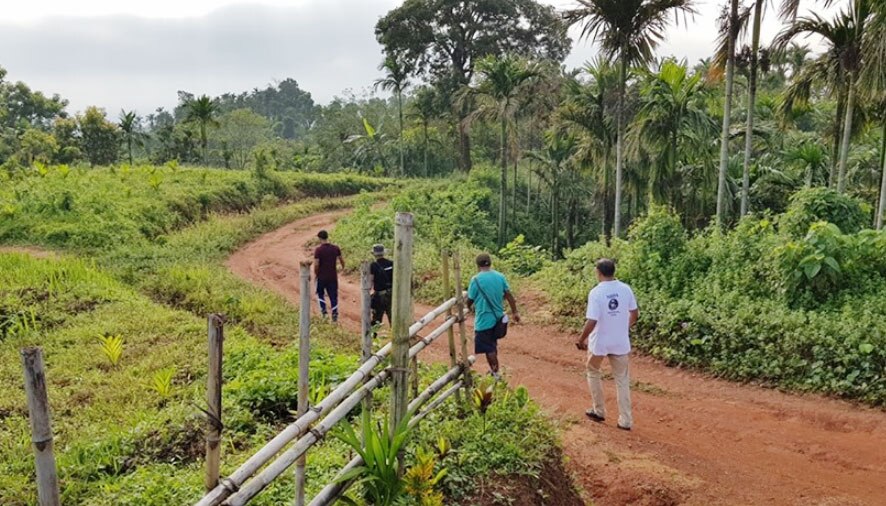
(612,311)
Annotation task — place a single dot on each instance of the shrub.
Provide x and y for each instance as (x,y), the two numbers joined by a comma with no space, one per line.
(523,258)
(810,205)
(804,312)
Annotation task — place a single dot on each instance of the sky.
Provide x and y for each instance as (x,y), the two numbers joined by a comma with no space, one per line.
(136,55)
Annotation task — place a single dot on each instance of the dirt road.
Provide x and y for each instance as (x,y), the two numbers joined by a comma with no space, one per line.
(696,440)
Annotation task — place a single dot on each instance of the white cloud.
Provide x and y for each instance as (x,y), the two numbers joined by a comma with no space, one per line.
(136,55)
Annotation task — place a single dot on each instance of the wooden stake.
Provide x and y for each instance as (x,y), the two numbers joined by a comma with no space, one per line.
(447,294)
(213,400)
(304,360)
(318,431)
(41,426)
(366,322)
(462,331)
(402,315)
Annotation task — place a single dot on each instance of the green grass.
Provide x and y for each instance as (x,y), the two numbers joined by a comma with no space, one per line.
(118,440)
(96,209)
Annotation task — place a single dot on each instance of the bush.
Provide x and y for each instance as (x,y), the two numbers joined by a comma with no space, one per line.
(810,205)
(522,258)
(753,303)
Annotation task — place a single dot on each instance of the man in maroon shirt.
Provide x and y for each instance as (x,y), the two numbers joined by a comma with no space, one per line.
(326,273)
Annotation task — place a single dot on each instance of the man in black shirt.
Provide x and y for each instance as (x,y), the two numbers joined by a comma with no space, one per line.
(382,271)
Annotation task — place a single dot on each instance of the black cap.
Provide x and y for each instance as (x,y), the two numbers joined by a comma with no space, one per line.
(378,250)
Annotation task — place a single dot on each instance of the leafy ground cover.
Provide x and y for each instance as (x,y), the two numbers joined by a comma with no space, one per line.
(124,335)
(796,300)
(790,300)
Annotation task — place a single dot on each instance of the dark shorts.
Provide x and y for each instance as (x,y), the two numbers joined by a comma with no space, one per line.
(485,341)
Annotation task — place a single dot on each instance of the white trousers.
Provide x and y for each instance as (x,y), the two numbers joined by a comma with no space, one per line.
(621,374)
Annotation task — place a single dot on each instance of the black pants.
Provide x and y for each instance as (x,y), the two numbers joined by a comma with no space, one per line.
(330,288)
(381,306)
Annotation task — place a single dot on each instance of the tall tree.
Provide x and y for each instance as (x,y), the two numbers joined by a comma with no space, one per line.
(672,128)
(99,138)
(873,79)
(238,134)
(202,111)
(752,104)
(627,31)
(443,40)
(588,110)
(129,123)
(730,33)
(395,79)
(845,36)
(502,80)
(554,160)
(425,108)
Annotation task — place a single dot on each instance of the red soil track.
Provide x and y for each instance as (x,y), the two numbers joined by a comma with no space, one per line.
(696,440)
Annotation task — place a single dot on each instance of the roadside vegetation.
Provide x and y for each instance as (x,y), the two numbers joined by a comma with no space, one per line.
(795,300)
(120,307)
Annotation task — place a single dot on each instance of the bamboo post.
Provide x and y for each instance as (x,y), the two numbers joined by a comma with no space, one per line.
(41,426)
(401,314)
(319,430)
(213,400)
(447,294)
(304,360)
(462,331)
(365,323)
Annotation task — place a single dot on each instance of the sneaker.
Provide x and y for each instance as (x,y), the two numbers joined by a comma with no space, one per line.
(496,376)
(334,317)
(622,427)
(594,416)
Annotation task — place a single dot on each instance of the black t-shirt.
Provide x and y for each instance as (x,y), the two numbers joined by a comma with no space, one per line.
(382,274)
(327,254)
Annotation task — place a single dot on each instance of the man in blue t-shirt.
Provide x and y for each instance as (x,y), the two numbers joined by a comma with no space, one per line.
(485,294)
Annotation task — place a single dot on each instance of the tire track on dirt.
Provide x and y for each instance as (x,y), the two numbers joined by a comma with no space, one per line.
(697,440)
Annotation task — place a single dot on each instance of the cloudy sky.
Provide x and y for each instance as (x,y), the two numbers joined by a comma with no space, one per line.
(137,54)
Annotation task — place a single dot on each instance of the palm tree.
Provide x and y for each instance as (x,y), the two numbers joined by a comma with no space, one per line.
(728,34)
(628,31)
(846,37)
(203,111)
(672,127)
(395,79)
(788,11)
(129,126)
(752,103)
(810,157)
(825,69)
(873,81)
(425,107)
(554,160)
(502,80)
(587,110)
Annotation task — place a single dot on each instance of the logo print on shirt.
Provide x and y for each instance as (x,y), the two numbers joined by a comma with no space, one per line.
(613,304)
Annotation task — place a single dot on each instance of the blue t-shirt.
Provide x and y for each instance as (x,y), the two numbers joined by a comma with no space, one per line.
(487,309)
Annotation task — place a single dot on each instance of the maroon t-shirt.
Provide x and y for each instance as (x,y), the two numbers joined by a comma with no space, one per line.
(326,255)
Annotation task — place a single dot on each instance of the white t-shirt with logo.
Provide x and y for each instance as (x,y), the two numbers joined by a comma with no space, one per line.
(609,304)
